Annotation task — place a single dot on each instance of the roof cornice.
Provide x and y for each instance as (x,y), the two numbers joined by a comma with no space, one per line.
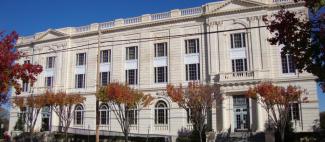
(165,21)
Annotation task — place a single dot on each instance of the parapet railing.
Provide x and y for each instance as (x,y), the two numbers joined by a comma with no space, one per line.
(191,11)
(129,21)
(160,16)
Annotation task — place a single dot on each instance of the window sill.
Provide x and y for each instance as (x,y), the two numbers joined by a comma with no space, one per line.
(161,83)
(131,60)
(191,54)
(78,125)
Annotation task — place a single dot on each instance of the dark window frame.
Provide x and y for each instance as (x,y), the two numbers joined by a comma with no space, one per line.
(131,76)
(192,46)
(192,71)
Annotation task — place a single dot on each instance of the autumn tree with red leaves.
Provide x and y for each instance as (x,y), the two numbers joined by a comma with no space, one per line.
(63,105)
(121,99)
(198,98)
(11,73)
(302,37)
(276,101)
(32,105)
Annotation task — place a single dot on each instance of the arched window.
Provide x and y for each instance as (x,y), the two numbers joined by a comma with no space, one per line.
(161,113)
(78,115)
(133,116)
(104,114)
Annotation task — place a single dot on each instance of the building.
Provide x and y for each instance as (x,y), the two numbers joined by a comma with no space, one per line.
(221,42)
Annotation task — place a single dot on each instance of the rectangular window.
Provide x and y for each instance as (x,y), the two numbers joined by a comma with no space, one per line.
(104,78)
(131,53)
(105,56)
(27,62)
(131,76)
(192,46)
(161,49)
(49,81)
(288,65)
(294,111)
(80,81)
(238,40)
(50,62)
(192,72)
(239,65)
(81,59)
(189,115)
(161,74)
(25,86)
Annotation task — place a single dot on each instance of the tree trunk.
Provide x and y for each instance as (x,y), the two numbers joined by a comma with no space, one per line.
(66,134)
(126,136)
(31,134)
(200,135)
(97,120)
(282,134)
(60,125)
(97,133)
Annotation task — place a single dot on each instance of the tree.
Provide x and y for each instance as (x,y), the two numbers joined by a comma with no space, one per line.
(10,72)
(322,120)
(33,105)
(198,98)
(301,38)
(63,105)
(121,99)
(276,101)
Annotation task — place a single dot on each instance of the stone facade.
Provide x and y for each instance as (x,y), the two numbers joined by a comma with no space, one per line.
(230,46)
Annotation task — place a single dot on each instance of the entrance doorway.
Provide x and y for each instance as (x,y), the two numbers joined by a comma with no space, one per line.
(241,113)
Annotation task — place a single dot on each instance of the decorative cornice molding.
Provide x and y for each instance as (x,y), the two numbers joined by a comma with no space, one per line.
(170,21)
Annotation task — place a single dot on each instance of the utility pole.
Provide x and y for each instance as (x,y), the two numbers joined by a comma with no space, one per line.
(97,85)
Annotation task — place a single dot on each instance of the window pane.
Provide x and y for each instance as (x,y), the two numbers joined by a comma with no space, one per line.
(193,71)
(80,80)
(291,64)
(295,111)
(49,81)
(25,86)
(131,76)
(192,46)
(284,64)
(104,78)
(238,40)
(288,65)
(81,59)
(50,61)
(239,65)
(160,49)
(27,62)
(104,56)
(131,53)
(160,74)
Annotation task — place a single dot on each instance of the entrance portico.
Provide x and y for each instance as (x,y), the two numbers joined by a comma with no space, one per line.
(239,114)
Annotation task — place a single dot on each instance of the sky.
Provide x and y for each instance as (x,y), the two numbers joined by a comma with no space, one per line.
(31,16)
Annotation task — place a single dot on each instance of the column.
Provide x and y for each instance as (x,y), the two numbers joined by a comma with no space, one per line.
(260,118)
(224,112)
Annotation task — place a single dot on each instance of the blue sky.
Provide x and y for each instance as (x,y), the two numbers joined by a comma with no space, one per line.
(30,16)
